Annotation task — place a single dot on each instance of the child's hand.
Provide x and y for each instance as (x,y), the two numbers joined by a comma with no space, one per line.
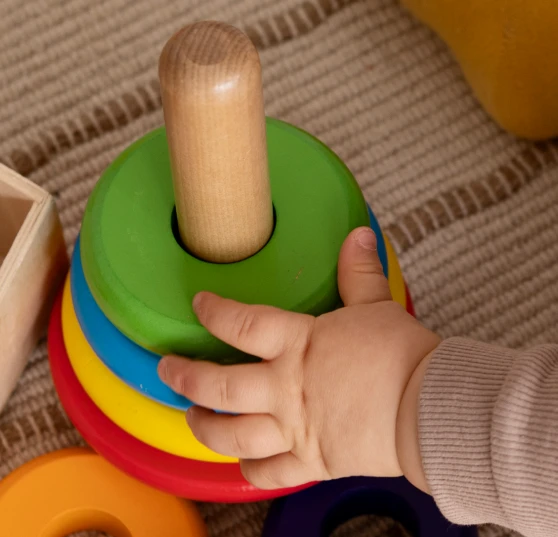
(324,402)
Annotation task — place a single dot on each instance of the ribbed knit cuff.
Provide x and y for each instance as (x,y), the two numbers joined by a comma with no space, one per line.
(457,401)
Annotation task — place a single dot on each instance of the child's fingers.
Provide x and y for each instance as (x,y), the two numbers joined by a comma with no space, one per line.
(360,277)
(233,388)
(246,436)
(280,471)
(261,331)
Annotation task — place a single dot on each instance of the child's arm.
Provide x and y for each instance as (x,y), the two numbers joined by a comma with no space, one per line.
(488,432)
(367,390)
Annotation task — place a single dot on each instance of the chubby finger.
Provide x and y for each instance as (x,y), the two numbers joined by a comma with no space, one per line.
(262,331)
(360,273)
(245,436)
(243,388)
(278,472)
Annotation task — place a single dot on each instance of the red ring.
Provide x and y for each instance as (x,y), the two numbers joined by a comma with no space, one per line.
(410,307)
(186,478)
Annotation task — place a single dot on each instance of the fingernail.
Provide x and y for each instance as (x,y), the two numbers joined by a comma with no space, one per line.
(367,239)
(196,301)
(163,369)
(189,414)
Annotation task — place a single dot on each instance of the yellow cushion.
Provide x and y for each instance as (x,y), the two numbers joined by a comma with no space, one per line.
(507,52)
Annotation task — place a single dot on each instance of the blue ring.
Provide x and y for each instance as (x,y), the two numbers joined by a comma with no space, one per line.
(131,363)
(382,252)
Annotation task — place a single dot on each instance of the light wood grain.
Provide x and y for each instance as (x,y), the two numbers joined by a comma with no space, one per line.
(33,268)
(211,89)
(13,211)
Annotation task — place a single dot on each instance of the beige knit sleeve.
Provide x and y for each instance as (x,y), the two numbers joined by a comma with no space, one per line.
(488,427)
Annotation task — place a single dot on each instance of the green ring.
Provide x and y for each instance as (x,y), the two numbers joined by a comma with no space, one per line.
(144,282)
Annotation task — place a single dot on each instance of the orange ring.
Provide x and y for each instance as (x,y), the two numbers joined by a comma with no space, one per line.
(75,489)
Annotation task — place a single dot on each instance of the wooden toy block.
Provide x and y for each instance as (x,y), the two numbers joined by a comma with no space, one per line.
(33,263)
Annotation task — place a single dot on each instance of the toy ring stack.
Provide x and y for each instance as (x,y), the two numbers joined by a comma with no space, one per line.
(220,199)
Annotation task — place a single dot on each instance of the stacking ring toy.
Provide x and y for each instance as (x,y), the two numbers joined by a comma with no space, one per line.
(221,199)
(197,480)
(74,489)
(157,425)
(323,508)
(144,281)
(137,366)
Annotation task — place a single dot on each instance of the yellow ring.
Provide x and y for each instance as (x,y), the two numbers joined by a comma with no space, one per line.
(159,426)
(74,489)
(395,279)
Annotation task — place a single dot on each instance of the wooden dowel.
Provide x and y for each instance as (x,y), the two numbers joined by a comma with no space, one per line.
(211,87)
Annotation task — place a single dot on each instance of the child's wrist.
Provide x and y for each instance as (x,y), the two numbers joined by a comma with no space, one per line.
(407,429)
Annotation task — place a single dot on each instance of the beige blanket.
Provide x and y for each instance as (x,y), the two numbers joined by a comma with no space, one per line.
(471,211)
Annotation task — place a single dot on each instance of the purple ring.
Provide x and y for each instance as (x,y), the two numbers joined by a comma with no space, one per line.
(319,510)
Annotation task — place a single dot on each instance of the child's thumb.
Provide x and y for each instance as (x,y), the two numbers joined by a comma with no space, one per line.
(360,274)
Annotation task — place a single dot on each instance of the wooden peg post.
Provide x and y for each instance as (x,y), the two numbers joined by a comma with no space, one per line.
(211,89)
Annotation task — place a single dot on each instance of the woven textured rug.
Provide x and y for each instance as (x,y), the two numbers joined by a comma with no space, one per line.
(471,211)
